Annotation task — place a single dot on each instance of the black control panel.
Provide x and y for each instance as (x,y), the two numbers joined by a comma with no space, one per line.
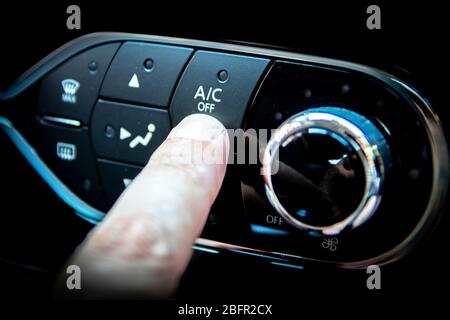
(351,165)
(114,104)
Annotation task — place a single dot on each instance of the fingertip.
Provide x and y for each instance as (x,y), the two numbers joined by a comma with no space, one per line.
(197,140)
(199,127)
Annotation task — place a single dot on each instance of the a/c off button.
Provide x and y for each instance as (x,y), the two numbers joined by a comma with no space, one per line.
(219,85)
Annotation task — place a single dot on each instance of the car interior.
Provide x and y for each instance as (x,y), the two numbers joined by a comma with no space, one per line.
(341,131)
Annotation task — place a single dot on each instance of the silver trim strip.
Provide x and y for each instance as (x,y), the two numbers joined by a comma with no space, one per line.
(429,118)
(63,121)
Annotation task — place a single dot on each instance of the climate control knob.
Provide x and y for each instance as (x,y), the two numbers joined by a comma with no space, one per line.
(324,170)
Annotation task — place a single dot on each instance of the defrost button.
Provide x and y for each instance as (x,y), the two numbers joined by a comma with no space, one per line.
(67,152)
(70,91)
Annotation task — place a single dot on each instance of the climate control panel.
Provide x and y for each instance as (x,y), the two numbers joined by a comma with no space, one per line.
(351,164)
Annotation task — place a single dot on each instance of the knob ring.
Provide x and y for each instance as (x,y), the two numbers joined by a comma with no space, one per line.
(368,148)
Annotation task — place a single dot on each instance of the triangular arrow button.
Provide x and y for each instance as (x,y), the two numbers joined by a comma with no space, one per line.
(124,133)
(134,82)
(126,182)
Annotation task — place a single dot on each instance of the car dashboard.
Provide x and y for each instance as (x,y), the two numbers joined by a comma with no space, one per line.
(335,166)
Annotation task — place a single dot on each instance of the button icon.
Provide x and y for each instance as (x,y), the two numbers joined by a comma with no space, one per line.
(125,134)
(205,104)
(66,151)
(134,82)
(330,243)
(143,140)
(70,88)
(126,182)
(276,220)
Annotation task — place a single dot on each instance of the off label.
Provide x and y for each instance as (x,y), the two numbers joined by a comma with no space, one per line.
(207,98)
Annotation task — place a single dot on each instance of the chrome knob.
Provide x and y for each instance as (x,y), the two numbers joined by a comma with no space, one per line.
(324,170)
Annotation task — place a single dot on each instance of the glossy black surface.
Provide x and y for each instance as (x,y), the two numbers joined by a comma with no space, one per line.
(320,180)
